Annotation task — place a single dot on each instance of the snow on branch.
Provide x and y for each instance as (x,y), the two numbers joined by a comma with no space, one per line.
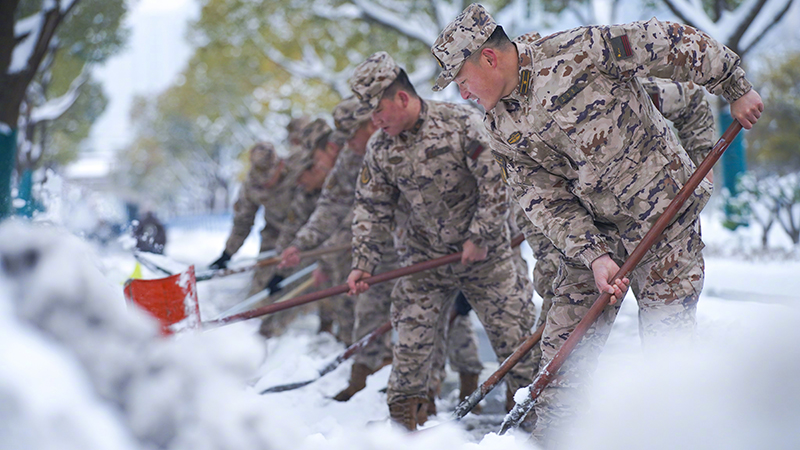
(416,26)
(767,17)
(739,29)
(692,13)
(311,66)
(55,108)
(27,30)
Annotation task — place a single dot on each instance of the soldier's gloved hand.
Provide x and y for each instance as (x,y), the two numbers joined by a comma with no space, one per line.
(462,305)
(273,282)
(221,262)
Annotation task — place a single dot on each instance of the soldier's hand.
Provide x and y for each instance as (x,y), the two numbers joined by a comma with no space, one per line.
(356,286)
(747,109)
(290,257)
(221,262)
(319,277)
(471,252)
(604,268)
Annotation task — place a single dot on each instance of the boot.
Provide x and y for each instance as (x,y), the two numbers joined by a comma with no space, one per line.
(430,408)
(469,384)
(404,412)
(358,381)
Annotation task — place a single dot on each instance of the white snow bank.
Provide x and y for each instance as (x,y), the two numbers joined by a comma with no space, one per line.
(86,373)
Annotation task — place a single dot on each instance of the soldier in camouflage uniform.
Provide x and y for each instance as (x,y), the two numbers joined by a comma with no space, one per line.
(594,164)
(294,130)
(683,104)
(430,156)
(275,184)
(333,217)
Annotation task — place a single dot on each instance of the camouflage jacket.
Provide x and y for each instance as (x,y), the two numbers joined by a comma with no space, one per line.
(450,187)
(685,105)
(335,205)
(581,143)
(286,207)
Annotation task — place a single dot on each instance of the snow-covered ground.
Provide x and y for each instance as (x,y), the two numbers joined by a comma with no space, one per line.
(80,370)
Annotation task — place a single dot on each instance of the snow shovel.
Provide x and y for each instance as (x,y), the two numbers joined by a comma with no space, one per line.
(209,274)
(486,387)
(546,374)
(256,298)
(341,289)
(171,300)
(344,356)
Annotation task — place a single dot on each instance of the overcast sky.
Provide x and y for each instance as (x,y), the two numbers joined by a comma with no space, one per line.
(156,52)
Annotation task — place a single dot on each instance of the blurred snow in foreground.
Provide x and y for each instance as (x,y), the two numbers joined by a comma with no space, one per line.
(79,370)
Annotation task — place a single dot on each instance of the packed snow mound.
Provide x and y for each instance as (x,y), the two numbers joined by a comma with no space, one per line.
(80,370)
(178,393)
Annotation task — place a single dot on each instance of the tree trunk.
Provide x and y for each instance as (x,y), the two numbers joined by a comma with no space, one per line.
(8,156)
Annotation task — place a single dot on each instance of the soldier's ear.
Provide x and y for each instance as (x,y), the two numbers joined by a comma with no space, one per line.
(489,55)
(404,98)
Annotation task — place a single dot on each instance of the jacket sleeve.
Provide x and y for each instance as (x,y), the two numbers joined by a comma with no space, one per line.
(373,215)
(671,50)
(299,211)
(244,214)
(333,206)
(686,106)
(488,225)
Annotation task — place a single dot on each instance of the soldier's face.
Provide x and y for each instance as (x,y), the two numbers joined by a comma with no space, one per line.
(313,178)
(390,115)
(358,143)
(475,83)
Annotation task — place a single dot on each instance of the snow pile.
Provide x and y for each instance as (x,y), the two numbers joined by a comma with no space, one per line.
(79,371)
(733,391)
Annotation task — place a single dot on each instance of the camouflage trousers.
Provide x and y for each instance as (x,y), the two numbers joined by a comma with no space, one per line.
(545,271)
(372,311)
(339,309)
(666,284)
(273,324)
(421,305)
(462,342)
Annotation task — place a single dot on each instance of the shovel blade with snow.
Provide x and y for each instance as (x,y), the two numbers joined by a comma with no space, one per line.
(171,300)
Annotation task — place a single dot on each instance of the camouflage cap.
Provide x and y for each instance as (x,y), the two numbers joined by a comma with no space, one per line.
(316,134)
(300,161)
(372,77)
(348,116)
(263,158)
(459,40)
(296,126)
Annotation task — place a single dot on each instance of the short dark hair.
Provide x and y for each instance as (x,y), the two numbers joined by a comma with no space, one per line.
(499,39)
(401,83)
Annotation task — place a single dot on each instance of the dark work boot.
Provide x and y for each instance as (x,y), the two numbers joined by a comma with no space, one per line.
(358,381)
(404,412)
(469,383)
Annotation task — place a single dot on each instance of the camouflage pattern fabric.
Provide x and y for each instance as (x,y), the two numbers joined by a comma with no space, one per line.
(332,215)
(594,164)
(451,190)
(337,267)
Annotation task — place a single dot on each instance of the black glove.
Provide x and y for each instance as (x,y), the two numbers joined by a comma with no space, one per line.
(272,285)
(462,306)
(221,263)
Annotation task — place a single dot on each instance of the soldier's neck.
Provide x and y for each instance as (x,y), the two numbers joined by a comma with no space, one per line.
(413,111)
